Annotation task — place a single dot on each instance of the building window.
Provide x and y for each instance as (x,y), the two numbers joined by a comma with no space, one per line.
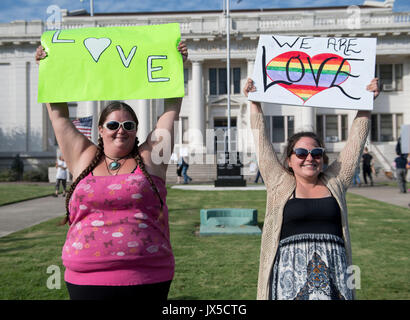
(319,126)
(386,127)
(399,123)
(236,80)
(374,135)
(391,76)
(213,90)
(279,128)
(222,81)
(291,126)
(218,84)
(344,127)
(186,74)
(332,128)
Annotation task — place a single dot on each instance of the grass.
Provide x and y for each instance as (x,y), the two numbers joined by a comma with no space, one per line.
(15,192)
(220,267)
(380,247)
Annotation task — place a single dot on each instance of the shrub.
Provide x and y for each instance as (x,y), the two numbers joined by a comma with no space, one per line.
(38,175)
(8,175)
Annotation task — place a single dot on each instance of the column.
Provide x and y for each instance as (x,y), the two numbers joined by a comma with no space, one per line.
(92,110)
(197,120)
(143,114)
(308,119)
(22,113)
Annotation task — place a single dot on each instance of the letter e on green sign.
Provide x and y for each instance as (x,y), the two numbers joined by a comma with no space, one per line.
(113,63)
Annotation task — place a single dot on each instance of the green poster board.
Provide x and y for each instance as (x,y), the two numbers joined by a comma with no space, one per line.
(111,63)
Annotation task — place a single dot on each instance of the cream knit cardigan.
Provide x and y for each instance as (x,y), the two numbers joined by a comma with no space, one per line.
(280,185)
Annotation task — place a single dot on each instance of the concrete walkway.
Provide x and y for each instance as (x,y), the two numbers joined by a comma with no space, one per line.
(18,216)
(383,193)
(21,215)
(211,187)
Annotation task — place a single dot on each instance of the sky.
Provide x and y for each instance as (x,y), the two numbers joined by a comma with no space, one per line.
(28,10)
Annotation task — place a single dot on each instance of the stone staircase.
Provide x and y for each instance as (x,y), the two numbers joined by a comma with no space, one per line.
(200,173)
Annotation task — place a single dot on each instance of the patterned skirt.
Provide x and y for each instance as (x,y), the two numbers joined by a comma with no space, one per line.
(310,267)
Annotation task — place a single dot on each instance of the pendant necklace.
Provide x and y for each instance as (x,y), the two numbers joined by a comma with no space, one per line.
(115,164)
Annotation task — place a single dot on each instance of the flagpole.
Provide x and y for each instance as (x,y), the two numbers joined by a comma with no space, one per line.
(228,73)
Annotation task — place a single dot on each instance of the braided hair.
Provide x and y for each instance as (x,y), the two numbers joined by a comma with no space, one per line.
(113,106)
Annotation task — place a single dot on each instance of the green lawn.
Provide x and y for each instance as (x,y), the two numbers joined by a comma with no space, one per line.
(14,192)
(221,267)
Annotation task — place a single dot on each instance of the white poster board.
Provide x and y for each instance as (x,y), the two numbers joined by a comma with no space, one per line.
(405,138)
(319,72)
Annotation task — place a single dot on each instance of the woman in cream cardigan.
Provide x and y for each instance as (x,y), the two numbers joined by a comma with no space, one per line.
(305,248)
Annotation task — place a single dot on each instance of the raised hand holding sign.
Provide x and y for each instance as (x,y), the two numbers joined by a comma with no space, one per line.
(115,63)
(321,72)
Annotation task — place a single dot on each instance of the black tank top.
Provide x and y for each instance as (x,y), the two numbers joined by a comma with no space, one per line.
(321,215)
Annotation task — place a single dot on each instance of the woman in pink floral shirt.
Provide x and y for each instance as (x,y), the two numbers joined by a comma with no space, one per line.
(118,243)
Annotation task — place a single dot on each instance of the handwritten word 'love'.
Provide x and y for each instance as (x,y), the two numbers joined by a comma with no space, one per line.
(306,76)
(96,48)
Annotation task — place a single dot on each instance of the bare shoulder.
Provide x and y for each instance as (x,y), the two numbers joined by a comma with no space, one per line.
(86,157)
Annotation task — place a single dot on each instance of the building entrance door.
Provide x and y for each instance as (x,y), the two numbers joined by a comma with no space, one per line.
(221,135)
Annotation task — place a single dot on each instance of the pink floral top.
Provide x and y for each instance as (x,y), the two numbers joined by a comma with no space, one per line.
(118,235)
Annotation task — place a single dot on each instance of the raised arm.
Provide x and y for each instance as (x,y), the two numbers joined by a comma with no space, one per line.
(157,149)
(75,147)
(268,162)
(345,164)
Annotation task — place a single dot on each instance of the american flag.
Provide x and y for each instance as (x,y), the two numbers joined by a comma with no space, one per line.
(84,125)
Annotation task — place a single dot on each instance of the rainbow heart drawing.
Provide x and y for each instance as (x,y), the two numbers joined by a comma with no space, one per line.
(306,76)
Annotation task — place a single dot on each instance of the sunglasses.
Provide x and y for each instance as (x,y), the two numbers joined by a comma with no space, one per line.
(302,153)
(115,125)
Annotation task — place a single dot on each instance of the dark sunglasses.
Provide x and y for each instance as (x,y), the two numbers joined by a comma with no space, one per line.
(302,153)
(115,125)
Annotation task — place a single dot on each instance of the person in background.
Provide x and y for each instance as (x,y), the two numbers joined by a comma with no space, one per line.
(367,166)
(61,176)
(356,177)
(258,175)
(185,167)
(17,166)
(401,172)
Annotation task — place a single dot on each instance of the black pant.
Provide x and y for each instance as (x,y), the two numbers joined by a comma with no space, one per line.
(63,182)
(157,292)
(367,171)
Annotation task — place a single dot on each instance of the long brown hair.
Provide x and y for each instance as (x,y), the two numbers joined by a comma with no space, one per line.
(291,145)
(113,106)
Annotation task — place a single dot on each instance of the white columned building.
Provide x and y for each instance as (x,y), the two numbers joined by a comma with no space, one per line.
(197,112)
(25,128)
(143,114)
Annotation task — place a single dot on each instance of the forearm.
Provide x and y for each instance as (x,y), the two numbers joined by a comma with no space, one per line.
(269,164)
(255,107)
(173,105)
(57,111)
(363,114)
